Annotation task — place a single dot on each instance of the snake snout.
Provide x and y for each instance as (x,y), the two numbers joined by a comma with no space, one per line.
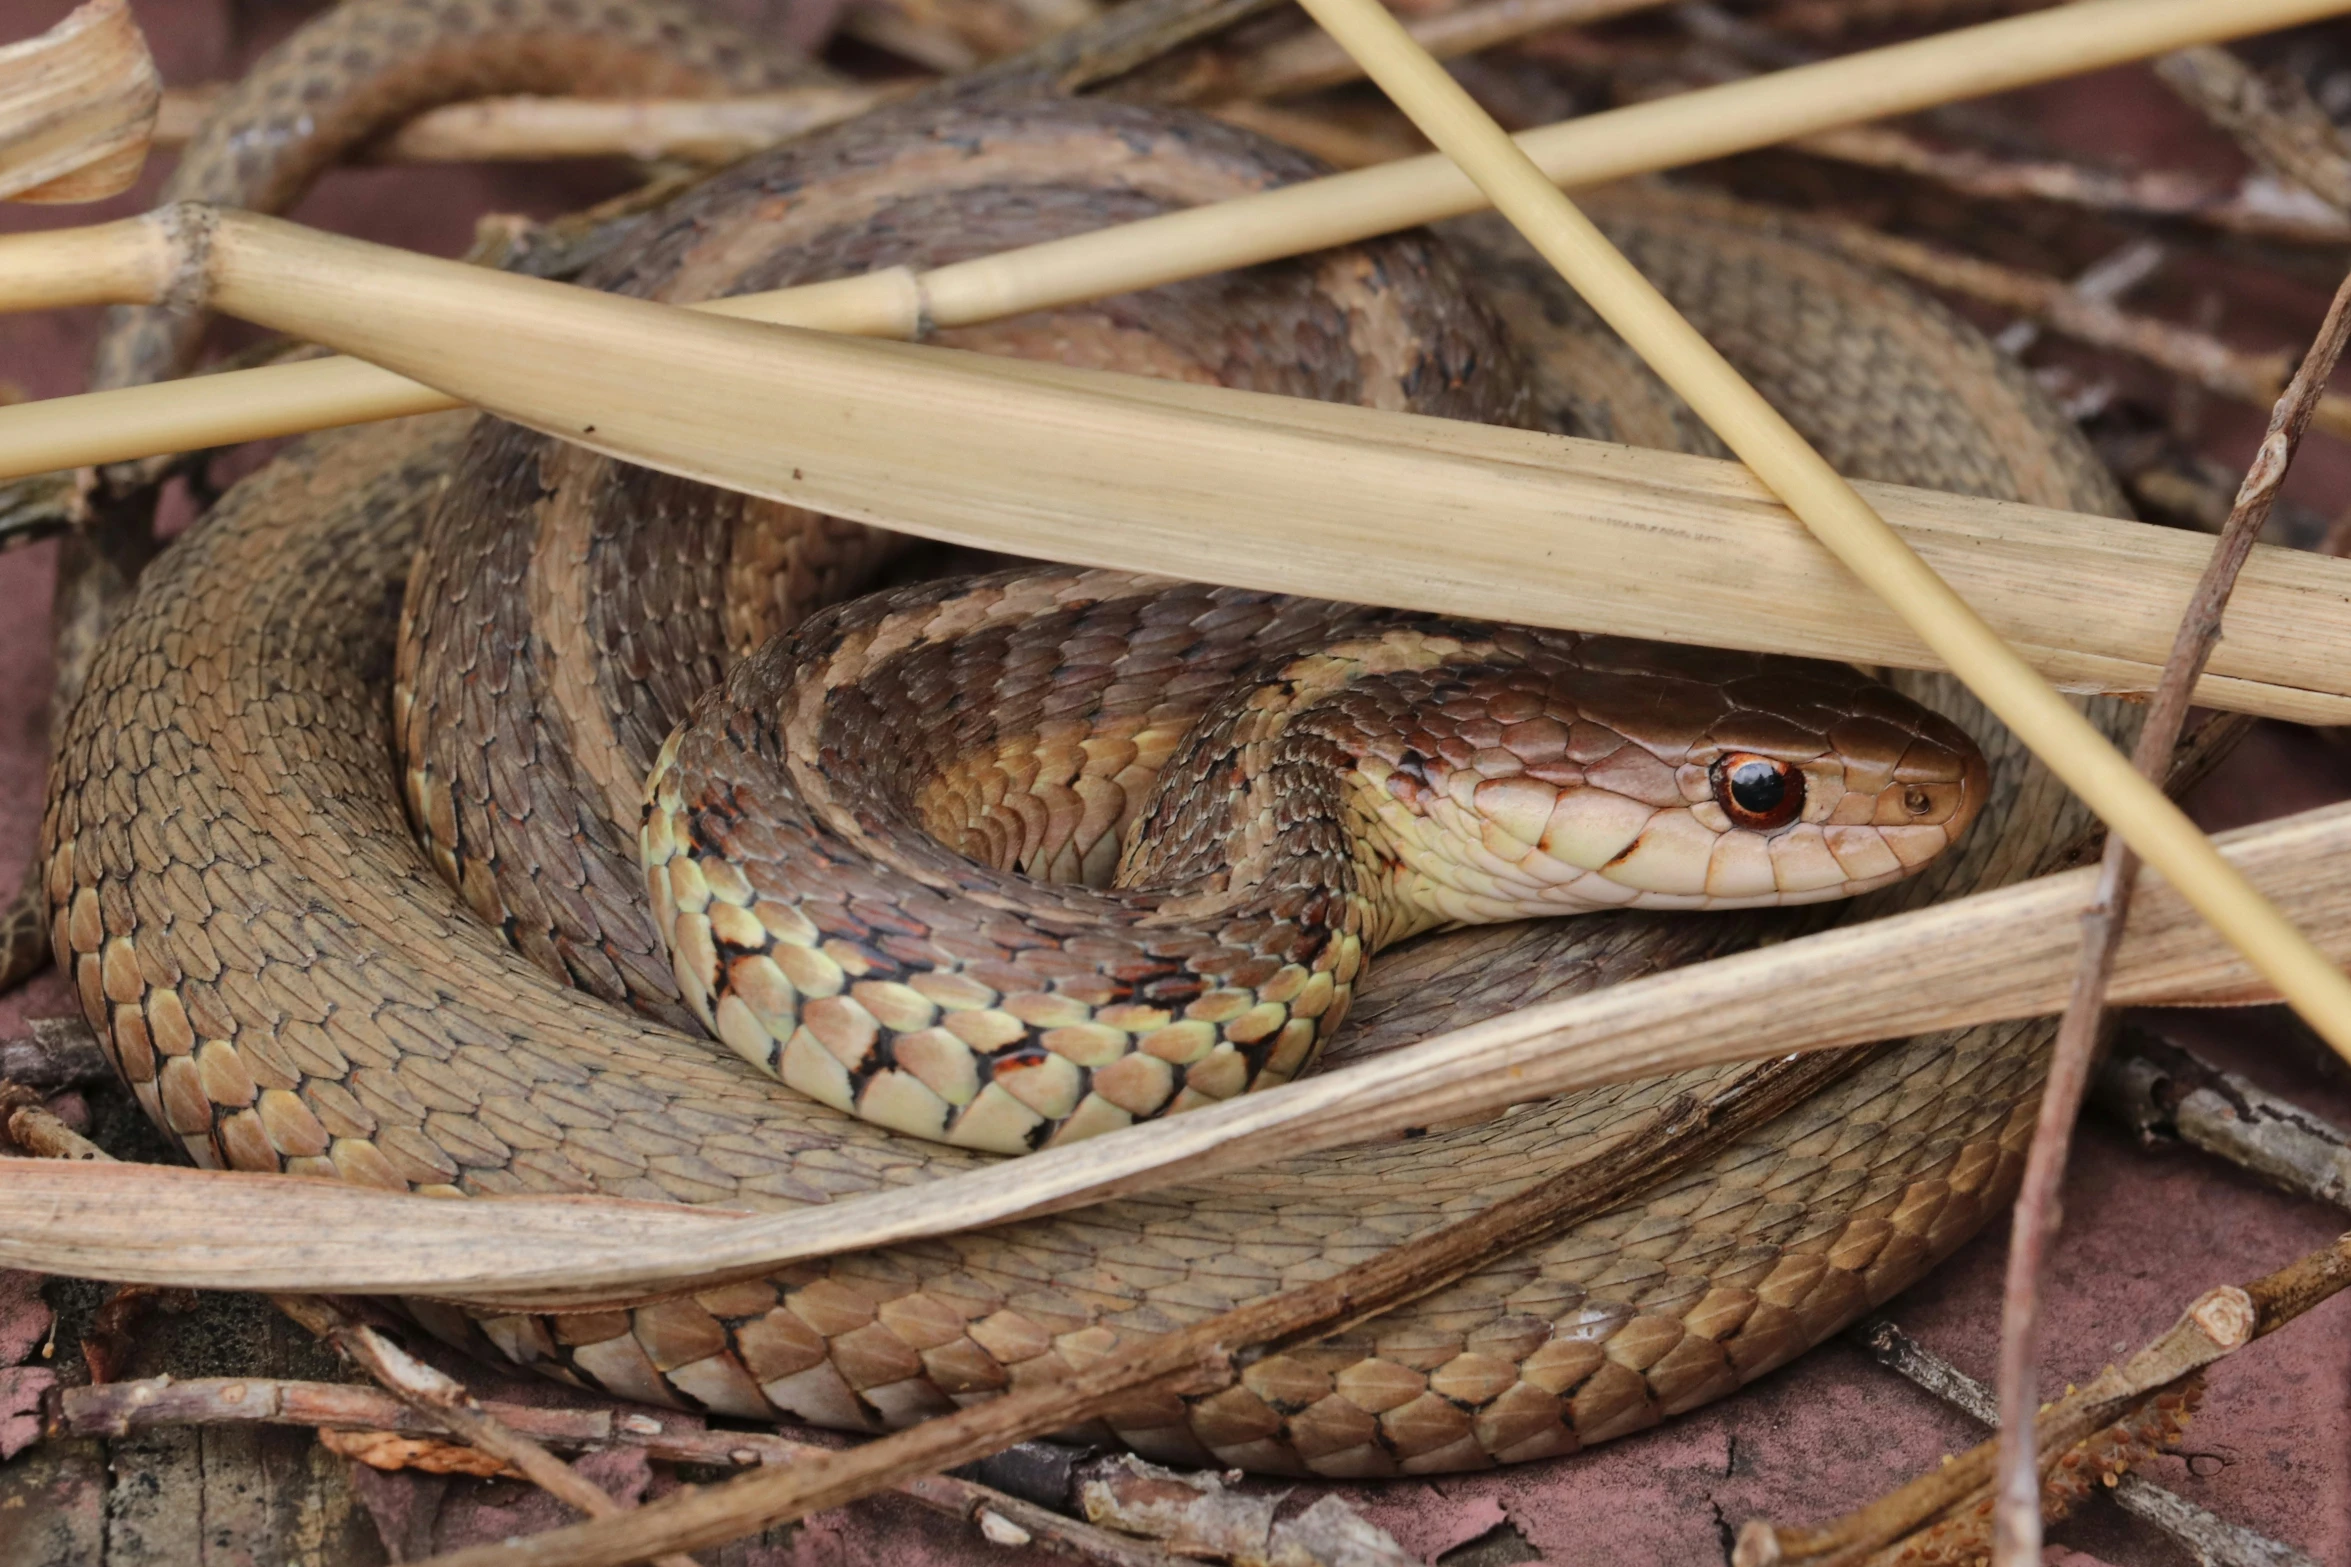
(1889,787)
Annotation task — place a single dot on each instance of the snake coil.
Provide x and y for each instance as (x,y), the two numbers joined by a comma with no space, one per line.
(286,984)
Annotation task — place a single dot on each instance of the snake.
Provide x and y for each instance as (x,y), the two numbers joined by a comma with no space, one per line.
(345,844)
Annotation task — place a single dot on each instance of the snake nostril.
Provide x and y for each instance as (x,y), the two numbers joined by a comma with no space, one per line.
(1917,801)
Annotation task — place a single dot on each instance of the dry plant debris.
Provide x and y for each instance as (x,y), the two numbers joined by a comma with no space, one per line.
(2017,1535)
(2119,1416)
(388,1432)
(1990,173)
(2160,1090)
(76,107)
(2213,1540)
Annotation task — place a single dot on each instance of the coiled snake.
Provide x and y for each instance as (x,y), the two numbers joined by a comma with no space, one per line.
(285,982)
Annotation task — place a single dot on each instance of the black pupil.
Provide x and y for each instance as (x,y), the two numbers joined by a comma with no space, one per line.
(1758,788)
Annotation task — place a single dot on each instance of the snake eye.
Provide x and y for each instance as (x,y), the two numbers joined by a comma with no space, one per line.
(1758,791)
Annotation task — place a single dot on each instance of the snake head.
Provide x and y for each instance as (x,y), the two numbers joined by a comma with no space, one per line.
(1581,773)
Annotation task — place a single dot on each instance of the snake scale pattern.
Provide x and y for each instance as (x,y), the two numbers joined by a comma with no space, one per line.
(289,979)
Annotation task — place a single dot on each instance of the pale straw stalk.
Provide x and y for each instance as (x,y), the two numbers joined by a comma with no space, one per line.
(1715,122)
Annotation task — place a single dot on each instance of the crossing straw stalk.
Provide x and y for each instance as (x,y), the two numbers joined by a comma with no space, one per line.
(1970,62)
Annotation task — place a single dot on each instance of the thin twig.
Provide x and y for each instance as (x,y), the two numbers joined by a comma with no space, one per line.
(2259,207)
(2210,1538)
(2218,1323)
(2105,281)
(120,1408)
(2162,1090)
(2269,114)
(443,1399)
(2017,1515)
(1195,1360)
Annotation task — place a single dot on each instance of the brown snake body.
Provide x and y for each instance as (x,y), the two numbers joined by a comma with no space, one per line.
(286,984)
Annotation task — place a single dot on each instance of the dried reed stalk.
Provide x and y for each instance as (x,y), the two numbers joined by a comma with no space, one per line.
(709,130)
(76,106)
(1692,127)
(2005,954)
(1261,491)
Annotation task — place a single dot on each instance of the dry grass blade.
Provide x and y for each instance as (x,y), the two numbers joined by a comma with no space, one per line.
(1262,491)
(76,107)
(513,1435)
(30,1126)
(2004,954)
(2017,1514)
(1735,117)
